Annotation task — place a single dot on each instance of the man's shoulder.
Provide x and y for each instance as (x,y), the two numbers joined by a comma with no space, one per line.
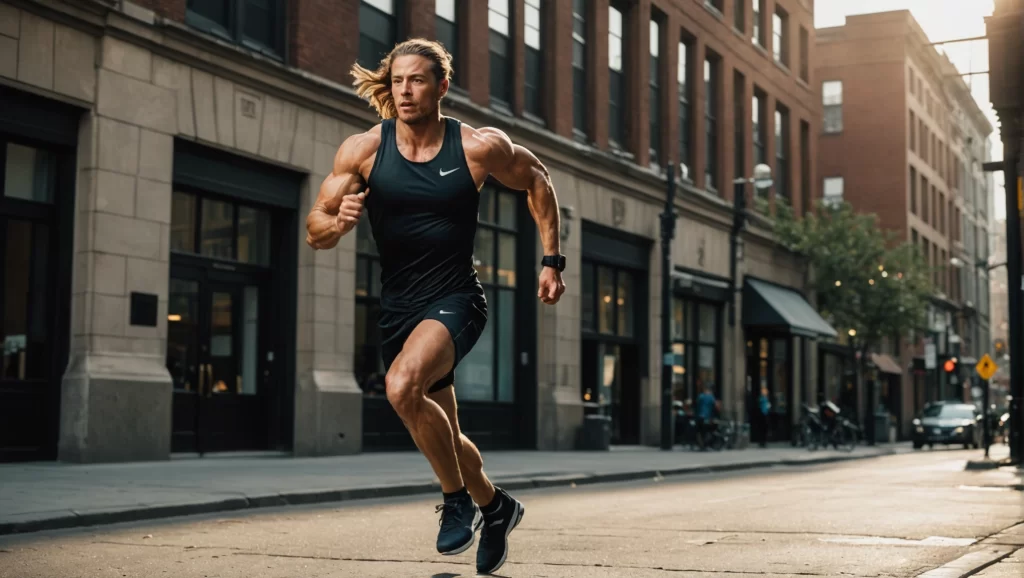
(484,142)
(359,147)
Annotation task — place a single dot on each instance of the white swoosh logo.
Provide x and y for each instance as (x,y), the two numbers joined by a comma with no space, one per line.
(446,173)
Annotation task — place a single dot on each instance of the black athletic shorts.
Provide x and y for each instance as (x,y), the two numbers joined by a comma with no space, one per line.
(464,314)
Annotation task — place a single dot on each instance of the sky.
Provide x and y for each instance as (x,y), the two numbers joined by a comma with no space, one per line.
(940,20)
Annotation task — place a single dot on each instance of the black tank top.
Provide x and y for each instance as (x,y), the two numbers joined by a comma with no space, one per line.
(424,218)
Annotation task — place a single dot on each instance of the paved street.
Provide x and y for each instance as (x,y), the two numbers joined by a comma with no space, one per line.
(46,496)
(899,515)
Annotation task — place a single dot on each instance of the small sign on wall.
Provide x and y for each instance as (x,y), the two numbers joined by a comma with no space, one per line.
(143,309)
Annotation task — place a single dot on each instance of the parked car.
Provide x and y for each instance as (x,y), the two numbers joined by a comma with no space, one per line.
(948,423)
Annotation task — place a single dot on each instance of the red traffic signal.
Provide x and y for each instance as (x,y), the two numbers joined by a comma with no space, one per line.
(949,366)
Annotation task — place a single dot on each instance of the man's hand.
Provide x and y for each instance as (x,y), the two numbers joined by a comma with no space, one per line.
(551,286)
(325,230)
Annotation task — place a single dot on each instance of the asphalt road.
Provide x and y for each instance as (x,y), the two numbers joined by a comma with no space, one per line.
(892,516)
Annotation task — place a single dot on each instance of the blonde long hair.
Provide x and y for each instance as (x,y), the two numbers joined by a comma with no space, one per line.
(375,85)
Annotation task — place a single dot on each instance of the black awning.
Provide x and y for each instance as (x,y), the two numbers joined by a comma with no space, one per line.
(772,307)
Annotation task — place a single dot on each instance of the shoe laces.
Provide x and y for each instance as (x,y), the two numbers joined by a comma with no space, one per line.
(449,514)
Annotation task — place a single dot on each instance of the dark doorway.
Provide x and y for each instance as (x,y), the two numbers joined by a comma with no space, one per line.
(224,351)
(36,212)
(770,368)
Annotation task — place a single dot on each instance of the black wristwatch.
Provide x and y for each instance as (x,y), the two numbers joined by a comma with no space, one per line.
(556,261)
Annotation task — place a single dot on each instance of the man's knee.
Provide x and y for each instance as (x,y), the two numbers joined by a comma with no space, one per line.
(404,389)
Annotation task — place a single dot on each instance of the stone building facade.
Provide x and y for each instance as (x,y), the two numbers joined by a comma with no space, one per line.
(159,163)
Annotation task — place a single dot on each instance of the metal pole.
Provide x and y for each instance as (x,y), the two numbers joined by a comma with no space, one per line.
(739,204)
(1014,345)
(987,435)
(668,226)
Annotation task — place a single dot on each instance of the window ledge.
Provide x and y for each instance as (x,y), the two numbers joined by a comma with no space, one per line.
(714,11)
(781,65)
(760,48)
(535,119)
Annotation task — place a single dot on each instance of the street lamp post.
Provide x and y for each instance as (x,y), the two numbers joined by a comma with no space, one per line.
(761,180)
(668,232)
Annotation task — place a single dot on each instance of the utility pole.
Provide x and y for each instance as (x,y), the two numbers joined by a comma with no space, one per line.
(1005,30)
(668,232)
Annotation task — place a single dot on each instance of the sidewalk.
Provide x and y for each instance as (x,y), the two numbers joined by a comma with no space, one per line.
(42,496)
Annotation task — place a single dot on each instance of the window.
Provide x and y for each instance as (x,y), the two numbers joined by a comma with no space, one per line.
(738,17)
(805,165)
(913,237)
(782,152)
(739,99)
(710,122)
(378,31)
(219,229)
(805,54)
(759,128)
(256,24)
(609,301)
(685,114)
(832,104)
(616,83)
(654,87)
(487,373)
(924,198)
(696,348)
(913,131)
(757,34)
(833,191)
(448,30)
(500,50)
(368,365)
(29,173)
(780,36)
(716,4)
(913,190)
(942,213)
(534,73)
(910,79)
(579,74)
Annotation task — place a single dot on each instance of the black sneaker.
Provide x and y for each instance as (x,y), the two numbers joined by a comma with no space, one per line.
(494,534)
(460,519)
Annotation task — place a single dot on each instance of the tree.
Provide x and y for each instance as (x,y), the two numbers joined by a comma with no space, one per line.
(862,279)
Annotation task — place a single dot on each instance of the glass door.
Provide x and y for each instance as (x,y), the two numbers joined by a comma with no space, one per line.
(218,362)
(31,246)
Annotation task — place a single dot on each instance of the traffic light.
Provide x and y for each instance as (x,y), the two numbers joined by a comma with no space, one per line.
(1000,347)
(950,365)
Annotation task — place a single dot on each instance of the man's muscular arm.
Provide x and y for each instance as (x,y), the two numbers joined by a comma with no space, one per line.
(338,205)
(517,168)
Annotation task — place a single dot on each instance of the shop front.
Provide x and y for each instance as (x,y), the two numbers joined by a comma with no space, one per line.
(698,304)
(37,198)
(613,327)
(777,323)
(229,306)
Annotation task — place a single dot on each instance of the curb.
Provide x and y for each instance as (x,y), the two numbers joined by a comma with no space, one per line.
(77,519)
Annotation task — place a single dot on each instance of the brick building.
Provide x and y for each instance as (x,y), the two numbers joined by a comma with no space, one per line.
(904,138)
(161,156)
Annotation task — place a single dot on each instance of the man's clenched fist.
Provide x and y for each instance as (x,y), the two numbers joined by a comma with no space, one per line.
(325,230)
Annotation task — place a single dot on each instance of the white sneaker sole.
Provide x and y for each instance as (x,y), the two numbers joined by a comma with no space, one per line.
(520,510)
(478,520)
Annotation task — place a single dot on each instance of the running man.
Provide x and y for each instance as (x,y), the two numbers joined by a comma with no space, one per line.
(418,175)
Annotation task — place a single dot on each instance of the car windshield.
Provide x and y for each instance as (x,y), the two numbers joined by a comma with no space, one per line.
(950,411)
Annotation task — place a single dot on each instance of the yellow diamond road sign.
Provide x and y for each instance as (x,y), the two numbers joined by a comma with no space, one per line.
(986,367)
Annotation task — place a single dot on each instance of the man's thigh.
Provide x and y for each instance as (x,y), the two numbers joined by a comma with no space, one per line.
(427,355)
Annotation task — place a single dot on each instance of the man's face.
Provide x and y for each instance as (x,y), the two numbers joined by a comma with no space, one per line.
(415,88)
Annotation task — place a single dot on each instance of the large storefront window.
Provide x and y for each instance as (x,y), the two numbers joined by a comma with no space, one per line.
(488,372)
(696,343)
(611,354)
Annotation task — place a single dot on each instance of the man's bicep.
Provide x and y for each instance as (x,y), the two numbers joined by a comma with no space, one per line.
(346,176)
(522,171)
